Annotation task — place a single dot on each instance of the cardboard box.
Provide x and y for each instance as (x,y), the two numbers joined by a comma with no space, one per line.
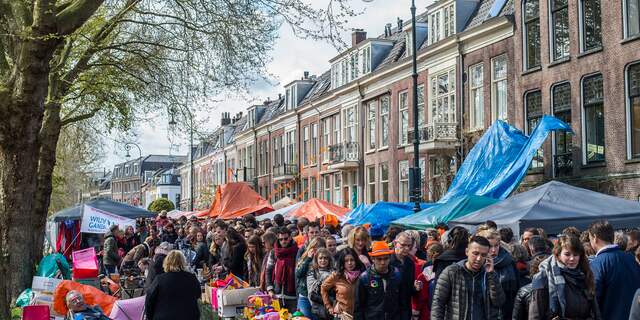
(234,297)
(44,284)
(234,311)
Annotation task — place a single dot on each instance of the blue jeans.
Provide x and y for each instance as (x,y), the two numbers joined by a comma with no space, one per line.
(304,305)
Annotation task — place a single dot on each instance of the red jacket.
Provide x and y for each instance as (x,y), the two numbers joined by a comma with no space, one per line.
(420,301)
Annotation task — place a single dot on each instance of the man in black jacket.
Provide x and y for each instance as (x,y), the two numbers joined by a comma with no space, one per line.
(469,289)
(403,262)
(378,289)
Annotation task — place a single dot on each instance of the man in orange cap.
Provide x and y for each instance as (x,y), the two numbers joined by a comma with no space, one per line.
(378,289)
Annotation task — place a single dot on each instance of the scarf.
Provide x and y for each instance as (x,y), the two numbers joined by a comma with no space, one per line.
(351,275)
(557,276)
(284,273)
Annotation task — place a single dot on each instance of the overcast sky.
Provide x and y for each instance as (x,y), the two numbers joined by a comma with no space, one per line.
(291,57)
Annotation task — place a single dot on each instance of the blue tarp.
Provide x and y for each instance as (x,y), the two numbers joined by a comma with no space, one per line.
(381,213)
(497,163)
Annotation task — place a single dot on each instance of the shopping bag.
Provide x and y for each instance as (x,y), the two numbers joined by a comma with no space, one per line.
(85,264)
(38,312)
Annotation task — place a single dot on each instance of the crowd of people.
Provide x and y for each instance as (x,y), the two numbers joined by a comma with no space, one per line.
(359,272)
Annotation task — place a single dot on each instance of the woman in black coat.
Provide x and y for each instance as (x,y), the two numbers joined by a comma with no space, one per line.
(173,294)
(202,252)
(234,262)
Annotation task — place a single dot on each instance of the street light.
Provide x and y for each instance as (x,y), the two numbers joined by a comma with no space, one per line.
(127,146)
(414,173)
(172,122)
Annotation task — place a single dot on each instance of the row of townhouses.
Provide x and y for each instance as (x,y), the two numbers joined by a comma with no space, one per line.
(345,136)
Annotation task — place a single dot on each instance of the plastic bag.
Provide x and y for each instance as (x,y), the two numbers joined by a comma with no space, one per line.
(24,298)
(54,265)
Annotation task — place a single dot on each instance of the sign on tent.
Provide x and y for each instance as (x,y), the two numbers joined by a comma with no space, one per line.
(98,221)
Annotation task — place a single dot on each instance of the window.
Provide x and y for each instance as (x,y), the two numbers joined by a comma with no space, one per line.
(337,184)
(443,95)
(531,37)
(559,29)
(336,129)
(313,189)
(371,184)
(384,121)
(476,97)
(305,145)
(276,158)
(421,109)
(314,143)
(291,147)
(533,111)
(403,181)
(351,125)
(135,168)
(632,18)
(590,24)
(126,170)
(445,19)
(371,125)
(345,71)
(499,87)
(354,66)
(593,105)
(366,60)
(403,125)
(326,132)
(452,20)
(633,90)
(305,189)
(288,98)
(327,188)
(384,182)
(561,108)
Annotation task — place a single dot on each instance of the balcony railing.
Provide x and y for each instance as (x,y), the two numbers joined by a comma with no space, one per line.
(563,164)
(344,152)
(442,131)
(285,170)
(422,134)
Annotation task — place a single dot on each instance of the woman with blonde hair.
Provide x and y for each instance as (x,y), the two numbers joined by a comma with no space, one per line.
(564,288)
(360,241)
(173,294)
(302,269)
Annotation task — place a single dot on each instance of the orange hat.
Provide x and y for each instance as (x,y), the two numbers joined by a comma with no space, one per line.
(380,248)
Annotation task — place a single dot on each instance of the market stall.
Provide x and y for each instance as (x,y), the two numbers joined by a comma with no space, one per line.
(328,213)
(381,213)
(237,199)
(555,206)
(283,211)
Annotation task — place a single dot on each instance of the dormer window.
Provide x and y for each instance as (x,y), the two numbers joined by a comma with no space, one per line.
(442,23)
(291,98)
(252,118)
(366,60)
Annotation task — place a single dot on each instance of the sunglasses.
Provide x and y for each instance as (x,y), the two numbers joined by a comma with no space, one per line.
(284,239)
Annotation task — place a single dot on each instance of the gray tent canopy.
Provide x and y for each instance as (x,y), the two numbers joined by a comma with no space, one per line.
(555,206)
(121,209)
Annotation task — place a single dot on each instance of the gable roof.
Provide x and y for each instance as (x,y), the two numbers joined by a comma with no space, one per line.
(488,9)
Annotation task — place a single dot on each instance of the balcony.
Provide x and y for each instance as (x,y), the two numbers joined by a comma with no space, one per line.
(344,155)
(437,136)
(563,165)
(284,172)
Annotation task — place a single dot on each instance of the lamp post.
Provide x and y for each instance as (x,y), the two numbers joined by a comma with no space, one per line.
(172,122)
(414,173)
(127,146)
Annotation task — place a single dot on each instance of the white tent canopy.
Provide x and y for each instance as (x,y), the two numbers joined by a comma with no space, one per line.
(283,211)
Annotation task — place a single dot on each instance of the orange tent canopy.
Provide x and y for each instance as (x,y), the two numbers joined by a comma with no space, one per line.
(328,213)
(237,199)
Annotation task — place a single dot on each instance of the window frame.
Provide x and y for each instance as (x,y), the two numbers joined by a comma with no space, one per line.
(554,112)
(383,183)
(403,113)
(449,96)
(372,123)
(371,184)
(553,35)
(474,89)
(628,110)
(625,19)
(314,144)
(385,122)
(403,180)
(305,145)
(495,113)
(581,27)
(525,38)
(583,107)
(527,118)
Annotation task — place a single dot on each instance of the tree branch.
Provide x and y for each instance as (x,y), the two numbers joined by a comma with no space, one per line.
(80,117)
(74,14)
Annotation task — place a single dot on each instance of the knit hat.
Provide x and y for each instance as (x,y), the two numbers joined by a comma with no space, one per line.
(380,248)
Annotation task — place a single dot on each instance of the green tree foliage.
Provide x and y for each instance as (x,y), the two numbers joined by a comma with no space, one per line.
(161,204)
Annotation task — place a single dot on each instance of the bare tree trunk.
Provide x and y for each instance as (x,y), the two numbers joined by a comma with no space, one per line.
(21,110)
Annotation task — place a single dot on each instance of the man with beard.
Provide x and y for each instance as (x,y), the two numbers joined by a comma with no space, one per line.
(505,268)
(469,289)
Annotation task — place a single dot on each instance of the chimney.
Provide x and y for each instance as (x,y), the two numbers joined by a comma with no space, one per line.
(387,30)
(357,36)
(225,120)
(279,96)
(306,75)
(400,25)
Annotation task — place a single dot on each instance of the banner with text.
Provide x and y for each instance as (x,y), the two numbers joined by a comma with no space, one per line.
(98,221)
